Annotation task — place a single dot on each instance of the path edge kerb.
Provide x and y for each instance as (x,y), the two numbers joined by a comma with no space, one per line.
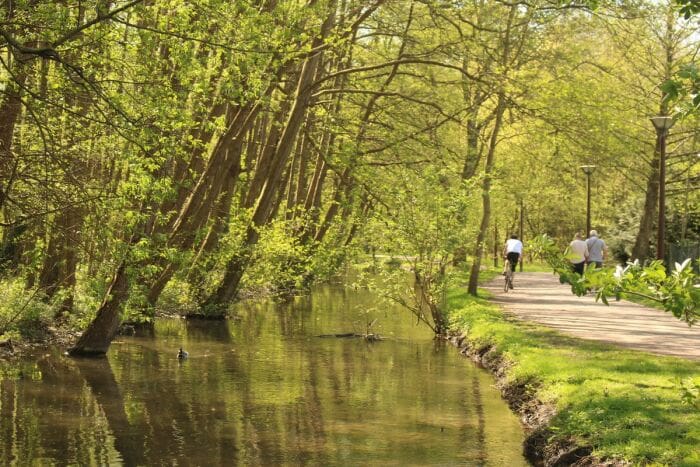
(541,447)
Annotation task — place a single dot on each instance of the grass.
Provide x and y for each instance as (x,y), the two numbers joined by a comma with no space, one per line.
(625,404)
(536,267)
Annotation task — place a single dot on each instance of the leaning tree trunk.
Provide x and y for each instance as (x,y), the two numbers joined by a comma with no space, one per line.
(99,334)
(265,205)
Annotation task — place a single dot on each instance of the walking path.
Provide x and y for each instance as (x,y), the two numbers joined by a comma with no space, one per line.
(539,297)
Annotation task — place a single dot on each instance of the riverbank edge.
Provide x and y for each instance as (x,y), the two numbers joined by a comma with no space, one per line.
(540,447)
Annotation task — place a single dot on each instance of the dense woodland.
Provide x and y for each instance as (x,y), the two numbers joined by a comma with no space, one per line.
(175,154)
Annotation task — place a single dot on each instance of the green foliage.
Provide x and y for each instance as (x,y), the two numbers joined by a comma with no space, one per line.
(690,392)
(326,262)
(685,87)
(678,292)
(177,298)
(280,263)
(122,123)
(424,228)
(24,312)
(689,8)
(393,263)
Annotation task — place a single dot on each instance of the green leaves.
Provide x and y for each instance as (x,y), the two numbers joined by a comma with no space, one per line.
(684,88)
(688,8)
(690,392)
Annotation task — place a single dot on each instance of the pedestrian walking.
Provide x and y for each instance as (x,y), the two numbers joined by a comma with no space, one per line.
(578,253)
(597,250)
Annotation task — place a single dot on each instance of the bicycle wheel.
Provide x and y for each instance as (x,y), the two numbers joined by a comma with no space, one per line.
(507,277)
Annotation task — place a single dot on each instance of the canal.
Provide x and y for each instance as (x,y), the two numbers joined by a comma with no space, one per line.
(262,389)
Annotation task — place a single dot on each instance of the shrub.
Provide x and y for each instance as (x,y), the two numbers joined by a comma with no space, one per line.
(23,312)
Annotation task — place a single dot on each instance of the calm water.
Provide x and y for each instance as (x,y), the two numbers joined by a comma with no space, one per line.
(261,390)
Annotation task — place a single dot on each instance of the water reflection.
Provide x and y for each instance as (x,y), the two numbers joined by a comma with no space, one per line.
(98,375)
(261,390)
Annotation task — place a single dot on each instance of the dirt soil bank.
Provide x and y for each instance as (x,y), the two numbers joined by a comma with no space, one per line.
(534,414)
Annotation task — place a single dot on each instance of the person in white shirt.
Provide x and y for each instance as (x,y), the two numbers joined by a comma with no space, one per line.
(513,251)
(578,253)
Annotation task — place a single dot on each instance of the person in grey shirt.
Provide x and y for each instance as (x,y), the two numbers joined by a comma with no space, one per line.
(597,250)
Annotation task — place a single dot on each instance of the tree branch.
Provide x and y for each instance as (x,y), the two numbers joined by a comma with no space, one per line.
(402,61)
(387,94)
(69,36)
(50,52)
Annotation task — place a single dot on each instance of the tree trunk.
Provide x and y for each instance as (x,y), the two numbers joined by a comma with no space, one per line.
(425,301)
(99,334)
(486,197)
(312,200)
(342,193)
(491,154)
(302,176)
(640,250)
(265,202)
(473,157)
(10,111)
(196,275)
(61,257)
(268,160)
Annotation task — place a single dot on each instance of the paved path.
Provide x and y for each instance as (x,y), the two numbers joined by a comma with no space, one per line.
(539,297)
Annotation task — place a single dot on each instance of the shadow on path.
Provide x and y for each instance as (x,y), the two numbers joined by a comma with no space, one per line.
(540,298)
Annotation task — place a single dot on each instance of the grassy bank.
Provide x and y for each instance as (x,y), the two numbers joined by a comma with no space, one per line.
(626,405)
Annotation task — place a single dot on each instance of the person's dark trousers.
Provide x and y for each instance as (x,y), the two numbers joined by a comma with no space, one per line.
(513,258)
(578,267)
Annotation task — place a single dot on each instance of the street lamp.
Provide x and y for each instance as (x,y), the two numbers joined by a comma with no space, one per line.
(521,231)
(588,170)
(662,123)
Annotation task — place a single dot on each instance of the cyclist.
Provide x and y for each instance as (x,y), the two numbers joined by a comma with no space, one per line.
(513,251)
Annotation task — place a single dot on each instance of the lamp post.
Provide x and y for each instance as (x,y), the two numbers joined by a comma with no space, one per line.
(521,232)
(588,170)
(662,123)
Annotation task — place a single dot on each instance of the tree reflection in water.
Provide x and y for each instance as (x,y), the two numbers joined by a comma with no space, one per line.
(263,390)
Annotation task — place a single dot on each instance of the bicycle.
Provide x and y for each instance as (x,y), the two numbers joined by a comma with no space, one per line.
(508,283)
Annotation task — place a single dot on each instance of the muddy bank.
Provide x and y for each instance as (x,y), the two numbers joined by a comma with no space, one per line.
(539,447)
(50,337)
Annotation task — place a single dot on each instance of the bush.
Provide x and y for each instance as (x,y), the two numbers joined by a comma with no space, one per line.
(23,312)
(177,297)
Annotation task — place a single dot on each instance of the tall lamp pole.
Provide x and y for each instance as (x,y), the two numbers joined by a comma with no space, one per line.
(521,232)
(588,170)
(662,123)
